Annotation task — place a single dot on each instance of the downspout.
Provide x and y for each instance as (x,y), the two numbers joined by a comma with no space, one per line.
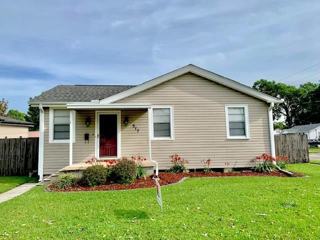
(150,143)
(41,143)
(271,130)
(272,143)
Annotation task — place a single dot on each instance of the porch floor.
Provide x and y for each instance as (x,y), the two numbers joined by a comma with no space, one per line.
(82,166)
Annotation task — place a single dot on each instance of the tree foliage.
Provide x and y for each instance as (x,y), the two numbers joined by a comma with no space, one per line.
(15,114)
(298,104)
(3,107)
(33,116)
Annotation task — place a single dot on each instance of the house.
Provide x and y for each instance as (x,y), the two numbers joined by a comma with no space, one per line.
(12,128)
(311,130)
(190,111)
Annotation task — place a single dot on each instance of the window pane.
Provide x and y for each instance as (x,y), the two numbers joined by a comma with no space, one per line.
(236,110)
(237,125)
(236,118)
(161,129)
(161,115)
(161,122)
(61,128)
(237,132)
(61,135)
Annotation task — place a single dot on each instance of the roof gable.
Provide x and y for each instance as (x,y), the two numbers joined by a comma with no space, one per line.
(197,71)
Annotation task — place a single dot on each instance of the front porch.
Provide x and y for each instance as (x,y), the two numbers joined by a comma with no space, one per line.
(108,134)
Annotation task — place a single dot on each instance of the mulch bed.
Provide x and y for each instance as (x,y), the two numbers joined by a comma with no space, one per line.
(165,179)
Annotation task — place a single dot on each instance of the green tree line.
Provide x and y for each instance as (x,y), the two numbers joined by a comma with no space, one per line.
(301,104)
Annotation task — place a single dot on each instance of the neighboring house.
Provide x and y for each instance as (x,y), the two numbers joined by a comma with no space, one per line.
(12,128)
(190,111)
(312,131)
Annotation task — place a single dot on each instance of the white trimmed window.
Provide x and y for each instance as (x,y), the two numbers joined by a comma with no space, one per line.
(237,121)
(59,125)
(162,126)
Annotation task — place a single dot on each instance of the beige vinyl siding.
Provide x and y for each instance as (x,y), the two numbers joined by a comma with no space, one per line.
(200,123)
(84,150)
(56,155)
(134,136)
(7,131)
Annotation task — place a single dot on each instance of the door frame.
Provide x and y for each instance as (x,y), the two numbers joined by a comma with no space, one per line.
(97,133)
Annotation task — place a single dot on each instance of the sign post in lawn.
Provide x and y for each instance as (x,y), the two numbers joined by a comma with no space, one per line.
(158,187)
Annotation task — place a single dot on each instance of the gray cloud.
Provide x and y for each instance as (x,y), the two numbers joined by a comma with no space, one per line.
(44,43)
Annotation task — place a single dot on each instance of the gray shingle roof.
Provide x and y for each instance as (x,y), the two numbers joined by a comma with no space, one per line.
(79,93)
(10,121)
(302,128)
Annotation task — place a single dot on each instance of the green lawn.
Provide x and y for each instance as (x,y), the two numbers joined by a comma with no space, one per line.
(315,161)
(7,183)
(199,208)
(314,150)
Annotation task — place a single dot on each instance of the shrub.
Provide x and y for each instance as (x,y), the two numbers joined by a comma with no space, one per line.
(125,171)
(65,181)
(94,175)
(178,164)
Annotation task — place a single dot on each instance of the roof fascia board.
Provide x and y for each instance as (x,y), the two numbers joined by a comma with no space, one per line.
(89,105)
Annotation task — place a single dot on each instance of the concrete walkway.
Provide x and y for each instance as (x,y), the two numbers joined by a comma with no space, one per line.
(17,191)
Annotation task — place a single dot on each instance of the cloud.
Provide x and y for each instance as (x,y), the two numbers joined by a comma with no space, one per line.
(126,43)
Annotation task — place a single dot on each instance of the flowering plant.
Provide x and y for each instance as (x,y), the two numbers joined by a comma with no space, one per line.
(265,162)
(178,163)
(138,159)
(206,165)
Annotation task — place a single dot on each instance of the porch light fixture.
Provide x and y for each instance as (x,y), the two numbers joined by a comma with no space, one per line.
(126,121)
(88,121)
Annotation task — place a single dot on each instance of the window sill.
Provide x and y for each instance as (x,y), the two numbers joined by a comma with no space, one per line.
(162,138)
(238,138)
(60,141)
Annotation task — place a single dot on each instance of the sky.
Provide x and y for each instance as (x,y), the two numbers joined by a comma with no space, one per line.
(46,43)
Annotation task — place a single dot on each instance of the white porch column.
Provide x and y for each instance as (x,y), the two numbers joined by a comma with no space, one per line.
(41,143)
(150,121)
(271,130)
(72,135)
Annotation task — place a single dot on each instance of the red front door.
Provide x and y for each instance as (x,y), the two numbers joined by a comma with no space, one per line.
(108,136)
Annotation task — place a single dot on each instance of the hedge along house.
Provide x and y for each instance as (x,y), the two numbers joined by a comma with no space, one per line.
(190,111)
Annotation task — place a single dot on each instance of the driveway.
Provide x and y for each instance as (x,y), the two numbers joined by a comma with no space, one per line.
(314,156)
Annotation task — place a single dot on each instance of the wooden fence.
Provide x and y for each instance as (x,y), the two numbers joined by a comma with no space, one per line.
(18,156)
(294,146)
